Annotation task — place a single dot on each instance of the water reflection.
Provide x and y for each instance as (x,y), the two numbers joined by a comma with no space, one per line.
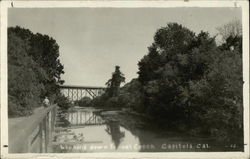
(84,130)
(113,129)
(84,117)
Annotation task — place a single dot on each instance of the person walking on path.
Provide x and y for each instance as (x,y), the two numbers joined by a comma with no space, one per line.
(46,102)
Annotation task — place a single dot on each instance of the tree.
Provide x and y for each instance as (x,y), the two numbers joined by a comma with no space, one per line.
(84,102)
(113,84)
(189,83)
(63,102)
(165,70)
(34,70)
(24,87)
(216,99)
(45,51)
(149,64)
(233,29)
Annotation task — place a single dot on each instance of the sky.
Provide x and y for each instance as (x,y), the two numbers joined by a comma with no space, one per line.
(93,41)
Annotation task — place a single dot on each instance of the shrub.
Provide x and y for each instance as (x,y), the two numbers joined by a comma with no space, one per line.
(84,102)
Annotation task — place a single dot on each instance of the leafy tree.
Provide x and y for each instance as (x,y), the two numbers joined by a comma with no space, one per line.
(34,70)
(63,102)
(113,96)
(24,87)
(189,83)
(171,67)
(216,99)
(113,85)
(45,52)
(85,101)
(149,64)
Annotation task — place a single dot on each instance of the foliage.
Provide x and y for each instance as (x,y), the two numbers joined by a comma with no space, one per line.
(187,83)
(63,102)
(45,51)
(131,96)
(34,70)
(112,96)
(113,84)
(191,84)
(216,99)
(175,57)
(84,102)
(23,83)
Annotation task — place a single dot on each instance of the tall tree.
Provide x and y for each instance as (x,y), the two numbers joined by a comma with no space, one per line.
(44,50)
(114,83)
(34,69)
(164,70)
(149,64)
(24,87)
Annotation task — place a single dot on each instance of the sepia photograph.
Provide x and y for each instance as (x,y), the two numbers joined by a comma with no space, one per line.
(125,79)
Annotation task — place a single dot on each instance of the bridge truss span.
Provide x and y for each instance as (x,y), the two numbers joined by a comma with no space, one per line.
(74,93)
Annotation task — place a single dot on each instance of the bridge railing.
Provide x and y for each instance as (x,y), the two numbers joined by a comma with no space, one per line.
(33,133)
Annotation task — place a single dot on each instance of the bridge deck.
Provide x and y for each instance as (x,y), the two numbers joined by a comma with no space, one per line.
(80,87)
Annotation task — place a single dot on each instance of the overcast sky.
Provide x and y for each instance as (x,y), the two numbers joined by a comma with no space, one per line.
(93,40)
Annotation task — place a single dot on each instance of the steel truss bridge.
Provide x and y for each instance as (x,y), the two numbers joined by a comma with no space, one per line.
(74,93)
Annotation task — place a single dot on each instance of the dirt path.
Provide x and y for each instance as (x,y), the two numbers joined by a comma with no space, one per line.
(21,128)
(12,122)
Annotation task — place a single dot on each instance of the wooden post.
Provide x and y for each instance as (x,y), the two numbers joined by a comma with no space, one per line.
(52,119)
(50,130)
(46,133)
(41,137)
(54,122)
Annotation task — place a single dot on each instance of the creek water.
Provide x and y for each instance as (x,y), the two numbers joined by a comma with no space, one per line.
(84,130)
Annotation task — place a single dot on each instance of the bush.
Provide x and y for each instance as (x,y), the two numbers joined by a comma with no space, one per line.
(84,102)
(63,102)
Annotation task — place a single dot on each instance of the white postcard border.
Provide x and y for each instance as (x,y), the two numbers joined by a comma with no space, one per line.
(124,4)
